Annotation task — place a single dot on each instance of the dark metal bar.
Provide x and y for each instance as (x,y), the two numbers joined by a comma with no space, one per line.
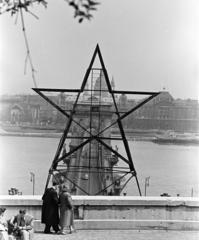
(115,152)
(99,128)
(134,92)
(51,102)
(106,138)
(83,166)
(87,90)
(92,171)
(138,185)
(139,105)
(88,70)
(56,90)
(61,166)
(102,90)
(90,126)
(96,69)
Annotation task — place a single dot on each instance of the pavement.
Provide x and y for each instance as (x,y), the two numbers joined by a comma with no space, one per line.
(122,235)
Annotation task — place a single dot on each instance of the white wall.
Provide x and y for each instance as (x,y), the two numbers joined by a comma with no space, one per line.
(102,212)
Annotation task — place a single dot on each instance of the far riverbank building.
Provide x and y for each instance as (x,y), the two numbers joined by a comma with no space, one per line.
(161,113)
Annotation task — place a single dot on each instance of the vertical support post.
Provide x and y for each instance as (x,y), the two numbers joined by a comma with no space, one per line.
(191,192)
(32,179)
(146,184)
(145,188)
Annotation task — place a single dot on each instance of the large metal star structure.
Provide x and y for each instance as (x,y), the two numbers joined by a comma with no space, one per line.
(96,130)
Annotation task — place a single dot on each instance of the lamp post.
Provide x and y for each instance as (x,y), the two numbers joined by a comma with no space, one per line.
(146,184)
(192,192)
(32,179)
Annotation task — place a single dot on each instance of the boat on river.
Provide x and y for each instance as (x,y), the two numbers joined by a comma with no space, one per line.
(177,138)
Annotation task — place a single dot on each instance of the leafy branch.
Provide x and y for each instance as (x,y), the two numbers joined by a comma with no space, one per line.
(14,6)
(82,8)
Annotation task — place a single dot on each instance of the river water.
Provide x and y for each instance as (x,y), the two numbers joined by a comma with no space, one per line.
(172,169)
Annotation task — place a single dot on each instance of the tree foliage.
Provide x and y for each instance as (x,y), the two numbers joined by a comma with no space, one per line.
(83,9)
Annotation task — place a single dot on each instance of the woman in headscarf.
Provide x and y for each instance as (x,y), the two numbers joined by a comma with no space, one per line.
(66,210)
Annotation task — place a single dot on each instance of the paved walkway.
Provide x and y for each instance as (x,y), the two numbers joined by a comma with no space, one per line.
(122,235)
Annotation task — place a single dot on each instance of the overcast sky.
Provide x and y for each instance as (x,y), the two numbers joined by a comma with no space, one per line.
(147,45)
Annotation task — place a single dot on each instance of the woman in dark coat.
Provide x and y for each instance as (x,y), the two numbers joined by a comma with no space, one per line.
(50,213)
(66,211)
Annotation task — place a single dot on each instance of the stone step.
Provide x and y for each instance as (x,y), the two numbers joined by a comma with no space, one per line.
(100,224)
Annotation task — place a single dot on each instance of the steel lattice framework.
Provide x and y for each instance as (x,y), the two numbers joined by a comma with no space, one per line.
(98,135)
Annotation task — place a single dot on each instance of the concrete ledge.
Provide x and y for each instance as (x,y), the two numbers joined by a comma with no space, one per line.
(20,200)
(117,212)
(104,200)
(129,224)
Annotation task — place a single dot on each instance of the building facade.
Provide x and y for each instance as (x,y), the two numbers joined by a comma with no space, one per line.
(162,113)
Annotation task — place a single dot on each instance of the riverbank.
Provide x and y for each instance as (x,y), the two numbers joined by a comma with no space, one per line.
(133,136)
(58,135)
(156,136)
(25,134)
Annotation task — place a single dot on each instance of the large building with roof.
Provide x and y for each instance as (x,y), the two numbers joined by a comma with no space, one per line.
(162,113)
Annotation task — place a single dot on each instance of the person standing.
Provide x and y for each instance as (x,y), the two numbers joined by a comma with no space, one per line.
(50,213)
(3,226)
(66,211)
(22,225)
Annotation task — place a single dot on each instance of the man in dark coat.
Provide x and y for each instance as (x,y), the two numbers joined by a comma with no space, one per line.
(50,213)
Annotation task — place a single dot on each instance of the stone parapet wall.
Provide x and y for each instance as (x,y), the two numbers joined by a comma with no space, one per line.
(102,212)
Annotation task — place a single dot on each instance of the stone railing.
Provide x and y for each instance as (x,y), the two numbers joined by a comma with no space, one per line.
(117,212)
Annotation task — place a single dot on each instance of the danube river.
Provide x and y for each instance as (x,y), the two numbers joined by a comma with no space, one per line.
(172,169)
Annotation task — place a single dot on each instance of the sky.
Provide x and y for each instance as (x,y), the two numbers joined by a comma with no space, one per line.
(147,45)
